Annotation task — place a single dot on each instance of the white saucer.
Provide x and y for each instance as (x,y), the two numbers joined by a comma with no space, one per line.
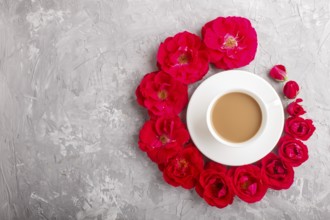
(250,151)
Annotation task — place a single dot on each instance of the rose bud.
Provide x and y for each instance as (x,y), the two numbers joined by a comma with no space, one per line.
(247,183)
(295,109)
(291,89)
(299,128)
(292,150)
(278,73)
(214,185)
(276,173)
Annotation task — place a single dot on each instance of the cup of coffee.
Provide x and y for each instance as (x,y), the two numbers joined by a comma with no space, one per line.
(236,117)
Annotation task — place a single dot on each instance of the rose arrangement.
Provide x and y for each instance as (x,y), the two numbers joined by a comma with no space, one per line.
(227,42)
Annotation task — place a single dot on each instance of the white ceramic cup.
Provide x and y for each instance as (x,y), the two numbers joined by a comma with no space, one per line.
(220,139)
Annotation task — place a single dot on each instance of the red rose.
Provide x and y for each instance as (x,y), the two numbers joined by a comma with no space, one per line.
(161,94)
(247,183)
(298,127)
(162,138)
(295,109)
(184,169)
(278,73)
(292,151)
(184,57)
(231,41)
(277,173)
(214,186)
(291,89)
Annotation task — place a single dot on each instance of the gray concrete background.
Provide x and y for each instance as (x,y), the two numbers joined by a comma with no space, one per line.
(69,121)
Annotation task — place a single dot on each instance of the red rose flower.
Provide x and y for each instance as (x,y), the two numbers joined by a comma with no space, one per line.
(161,94)
(184,169)
(295,109)
(292,151)
(161,138)
(231,41)
(277,173)
(291,89)
(184,57)
(278,73)
(214,186)
(247,183)
(298,127)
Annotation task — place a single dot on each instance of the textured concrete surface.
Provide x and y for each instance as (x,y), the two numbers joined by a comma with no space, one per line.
(69,121)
